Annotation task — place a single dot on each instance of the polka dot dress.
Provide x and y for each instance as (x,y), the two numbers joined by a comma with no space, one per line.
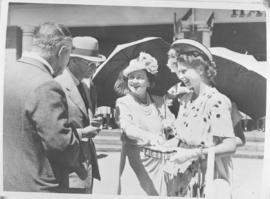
(207,121)
(207,116)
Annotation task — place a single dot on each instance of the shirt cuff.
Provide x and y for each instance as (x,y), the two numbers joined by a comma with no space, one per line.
(79,131)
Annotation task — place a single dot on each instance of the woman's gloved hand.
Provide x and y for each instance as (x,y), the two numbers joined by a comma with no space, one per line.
(155,140)
(172,143)
(88,131)
(184,155)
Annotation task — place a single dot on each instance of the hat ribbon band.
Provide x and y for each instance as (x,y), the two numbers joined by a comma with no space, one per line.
(86,52)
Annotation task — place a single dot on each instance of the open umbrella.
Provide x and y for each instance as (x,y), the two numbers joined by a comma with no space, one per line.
(243,79)
(107,73)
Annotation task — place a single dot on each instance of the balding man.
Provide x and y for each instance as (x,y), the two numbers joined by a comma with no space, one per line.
(40,146)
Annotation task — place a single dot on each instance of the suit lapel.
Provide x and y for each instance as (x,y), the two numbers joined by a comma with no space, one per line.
(90,98)
(73,91)
(93,96)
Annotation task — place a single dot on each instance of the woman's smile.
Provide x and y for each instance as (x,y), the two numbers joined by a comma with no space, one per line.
(185,81)
(138,82)
(135,85)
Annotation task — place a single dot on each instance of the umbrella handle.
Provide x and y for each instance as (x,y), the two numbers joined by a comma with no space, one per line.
(165,106)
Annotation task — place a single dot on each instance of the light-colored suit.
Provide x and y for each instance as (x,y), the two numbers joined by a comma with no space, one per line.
(39,146)
(80,115)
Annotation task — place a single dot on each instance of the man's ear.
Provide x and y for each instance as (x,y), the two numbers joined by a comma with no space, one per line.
(62,50)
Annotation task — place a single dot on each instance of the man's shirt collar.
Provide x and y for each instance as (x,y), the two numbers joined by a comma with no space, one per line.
(76,81)
(36,56)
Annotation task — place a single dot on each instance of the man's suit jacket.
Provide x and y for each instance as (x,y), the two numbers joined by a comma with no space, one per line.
(80,115)
(40,147)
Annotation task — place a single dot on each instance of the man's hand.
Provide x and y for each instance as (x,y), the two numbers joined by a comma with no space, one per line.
(88,132)
(96,122)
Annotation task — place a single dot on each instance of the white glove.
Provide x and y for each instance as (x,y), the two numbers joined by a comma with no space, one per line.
(184,155)
(183,90)
(172,143)
(88,132)
(156,140)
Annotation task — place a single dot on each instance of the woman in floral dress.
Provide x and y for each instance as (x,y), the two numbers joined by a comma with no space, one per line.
(204,119)
(141,117)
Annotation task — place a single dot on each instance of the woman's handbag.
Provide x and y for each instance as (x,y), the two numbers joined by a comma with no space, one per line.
(180,183)
(198,179)
(192,178)
(159,152)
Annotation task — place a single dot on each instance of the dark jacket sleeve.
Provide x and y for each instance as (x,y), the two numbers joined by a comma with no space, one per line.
(93,96)
(47,108)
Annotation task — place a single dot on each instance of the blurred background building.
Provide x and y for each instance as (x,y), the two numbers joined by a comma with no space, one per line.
(114,25)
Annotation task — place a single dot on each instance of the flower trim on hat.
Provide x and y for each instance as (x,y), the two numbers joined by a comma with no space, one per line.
(143,62)
(150,63)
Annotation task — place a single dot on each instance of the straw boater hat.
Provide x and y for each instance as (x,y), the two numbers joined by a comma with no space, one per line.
(87,48)
(188,45)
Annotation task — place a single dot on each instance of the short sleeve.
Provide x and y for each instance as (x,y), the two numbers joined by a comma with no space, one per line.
(123,115)
(220,117)
(169,115)
(126,121)
(236,115)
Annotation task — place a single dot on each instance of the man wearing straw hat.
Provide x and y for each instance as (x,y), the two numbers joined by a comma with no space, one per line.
(84,60)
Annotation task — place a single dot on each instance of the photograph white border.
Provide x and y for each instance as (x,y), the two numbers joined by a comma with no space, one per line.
(212,4)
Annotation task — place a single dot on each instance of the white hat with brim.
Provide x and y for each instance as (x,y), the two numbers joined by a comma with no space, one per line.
(187,45)
(133,66)
(87,48)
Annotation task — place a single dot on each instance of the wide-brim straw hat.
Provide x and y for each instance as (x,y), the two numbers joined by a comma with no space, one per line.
(87,48)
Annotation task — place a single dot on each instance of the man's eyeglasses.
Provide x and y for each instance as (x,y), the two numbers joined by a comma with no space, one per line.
(89,63)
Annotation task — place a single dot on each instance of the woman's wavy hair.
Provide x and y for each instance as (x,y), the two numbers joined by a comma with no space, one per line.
(194,59)
(121,86)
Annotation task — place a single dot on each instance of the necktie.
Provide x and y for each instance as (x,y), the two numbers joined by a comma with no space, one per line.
(83,94)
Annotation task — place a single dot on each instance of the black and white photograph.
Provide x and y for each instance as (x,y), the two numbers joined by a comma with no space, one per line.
(119,99)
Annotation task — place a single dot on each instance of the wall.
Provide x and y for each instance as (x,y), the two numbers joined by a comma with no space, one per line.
(120,24)
(91,15)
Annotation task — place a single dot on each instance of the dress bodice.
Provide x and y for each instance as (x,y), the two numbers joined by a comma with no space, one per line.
(147,117)
(206,118)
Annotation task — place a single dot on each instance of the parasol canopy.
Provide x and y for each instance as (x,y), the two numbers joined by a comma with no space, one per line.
(107,74)
(243,79)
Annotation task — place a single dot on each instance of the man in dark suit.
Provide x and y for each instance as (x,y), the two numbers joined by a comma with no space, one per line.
(40,146)
(81,97)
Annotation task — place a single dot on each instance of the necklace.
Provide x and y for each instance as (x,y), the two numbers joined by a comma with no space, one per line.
(142,102)
(145,108)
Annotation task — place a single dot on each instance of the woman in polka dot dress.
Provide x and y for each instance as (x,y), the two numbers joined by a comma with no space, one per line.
(204,117)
